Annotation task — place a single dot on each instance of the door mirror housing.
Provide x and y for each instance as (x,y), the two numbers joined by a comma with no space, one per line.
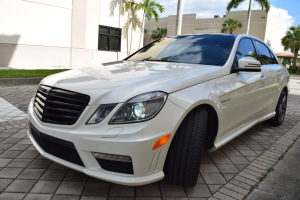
(248,64)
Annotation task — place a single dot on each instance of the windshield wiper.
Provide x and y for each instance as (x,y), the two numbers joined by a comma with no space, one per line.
(145,59)
(157,59)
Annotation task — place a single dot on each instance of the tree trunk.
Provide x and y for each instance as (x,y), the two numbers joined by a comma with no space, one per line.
(130,41)
(142,29)
(248,18)
(294,69)
(179,18)
(131,33)
(120,9)
(128,35)
(230,31)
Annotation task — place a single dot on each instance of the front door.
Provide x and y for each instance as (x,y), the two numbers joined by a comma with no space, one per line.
(248,88)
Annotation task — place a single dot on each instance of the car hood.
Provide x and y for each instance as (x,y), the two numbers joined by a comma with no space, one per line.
(119,81)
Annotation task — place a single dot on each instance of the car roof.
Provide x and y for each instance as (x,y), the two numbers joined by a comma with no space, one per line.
(213,34)
(240,36)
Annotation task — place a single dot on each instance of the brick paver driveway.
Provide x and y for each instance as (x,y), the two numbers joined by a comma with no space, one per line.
(228,173)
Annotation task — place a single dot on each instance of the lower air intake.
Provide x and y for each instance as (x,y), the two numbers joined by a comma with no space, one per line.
(57,147)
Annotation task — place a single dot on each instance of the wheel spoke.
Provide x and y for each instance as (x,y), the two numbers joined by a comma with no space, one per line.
(282,107)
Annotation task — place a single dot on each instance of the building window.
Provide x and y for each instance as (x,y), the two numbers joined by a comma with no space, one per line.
(109,38)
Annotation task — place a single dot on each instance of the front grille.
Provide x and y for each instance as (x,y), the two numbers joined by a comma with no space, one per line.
(116,166)
(57,106)
(57,147)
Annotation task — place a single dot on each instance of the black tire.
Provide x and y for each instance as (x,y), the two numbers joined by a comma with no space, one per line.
(185,153)
(280,110)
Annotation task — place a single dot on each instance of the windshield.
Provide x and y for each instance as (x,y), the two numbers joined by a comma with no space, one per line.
(195,49)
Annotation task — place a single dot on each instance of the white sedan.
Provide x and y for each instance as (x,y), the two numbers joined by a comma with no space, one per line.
(151,115)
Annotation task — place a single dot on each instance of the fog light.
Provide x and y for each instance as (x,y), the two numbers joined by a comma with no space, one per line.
(112,157)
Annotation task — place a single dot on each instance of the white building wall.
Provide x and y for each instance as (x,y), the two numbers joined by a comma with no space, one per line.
(35,33)
(116,21)
(47,33)
(264,26)
(43,24)
(275,30)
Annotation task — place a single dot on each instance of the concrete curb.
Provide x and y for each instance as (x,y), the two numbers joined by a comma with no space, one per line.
(20,81)
(249,178)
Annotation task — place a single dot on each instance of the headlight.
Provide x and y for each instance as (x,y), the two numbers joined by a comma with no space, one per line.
(140,108)
(101,113)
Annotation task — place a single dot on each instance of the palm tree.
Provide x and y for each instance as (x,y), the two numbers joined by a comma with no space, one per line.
(150,9)
(291,40)
(265,4)
(230,24)
(112,6)
(133,22)
(158,33)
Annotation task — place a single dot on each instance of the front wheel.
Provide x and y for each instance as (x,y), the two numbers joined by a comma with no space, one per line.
(280,110)
(184,156)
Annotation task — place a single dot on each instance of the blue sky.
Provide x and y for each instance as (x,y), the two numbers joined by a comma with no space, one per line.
(287,10)
(292,6)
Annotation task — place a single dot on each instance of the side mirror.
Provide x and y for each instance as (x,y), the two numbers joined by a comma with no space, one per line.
(248,64)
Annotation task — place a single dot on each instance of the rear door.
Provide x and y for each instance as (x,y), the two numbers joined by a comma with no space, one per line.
(272,71)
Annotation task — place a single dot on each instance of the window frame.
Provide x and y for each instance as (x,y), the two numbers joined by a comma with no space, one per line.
(234,63)
(270,52)
(251,39)
(109,35)
(235,60)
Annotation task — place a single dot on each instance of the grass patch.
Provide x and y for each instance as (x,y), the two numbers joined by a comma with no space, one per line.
(253,187)
(24,73)
(290,72)
(281,157)
(270,169)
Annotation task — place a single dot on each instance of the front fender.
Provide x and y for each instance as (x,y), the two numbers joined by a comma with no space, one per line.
(207,93)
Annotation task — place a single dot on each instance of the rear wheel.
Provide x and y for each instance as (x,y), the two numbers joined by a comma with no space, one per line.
(184,156)
(280,110)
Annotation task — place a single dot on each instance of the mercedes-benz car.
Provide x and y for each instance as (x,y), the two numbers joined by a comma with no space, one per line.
(151,115)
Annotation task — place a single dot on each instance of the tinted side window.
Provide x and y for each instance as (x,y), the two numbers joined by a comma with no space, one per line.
(264,56)
(245,49)
(274,58)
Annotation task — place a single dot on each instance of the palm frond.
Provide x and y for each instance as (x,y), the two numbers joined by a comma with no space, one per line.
(158,33)
(230,24)
(292,41)
(113,4)
(151,9)
(264,4)
(126,29)
(234,4)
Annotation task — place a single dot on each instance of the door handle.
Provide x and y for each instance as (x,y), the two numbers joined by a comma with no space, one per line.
(279,71)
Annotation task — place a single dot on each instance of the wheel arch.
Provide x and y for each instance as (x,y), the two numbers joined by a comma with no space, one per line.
(286,89)
(212,124)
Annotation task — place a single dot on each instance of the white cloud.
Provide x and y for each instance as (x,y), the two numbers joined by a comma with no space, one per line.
(283,15)
(209,8)
(203,8)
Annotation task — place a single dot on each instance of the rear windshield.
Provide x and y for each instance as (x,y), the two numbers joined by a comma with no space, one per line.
(195,49)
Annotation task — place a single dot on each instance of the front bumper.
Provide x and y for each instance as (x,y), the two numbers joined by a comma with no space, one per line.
(135,140)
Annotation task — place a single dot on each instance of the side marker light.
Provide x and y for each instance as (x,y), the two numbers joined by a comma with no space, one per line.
(161,141)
